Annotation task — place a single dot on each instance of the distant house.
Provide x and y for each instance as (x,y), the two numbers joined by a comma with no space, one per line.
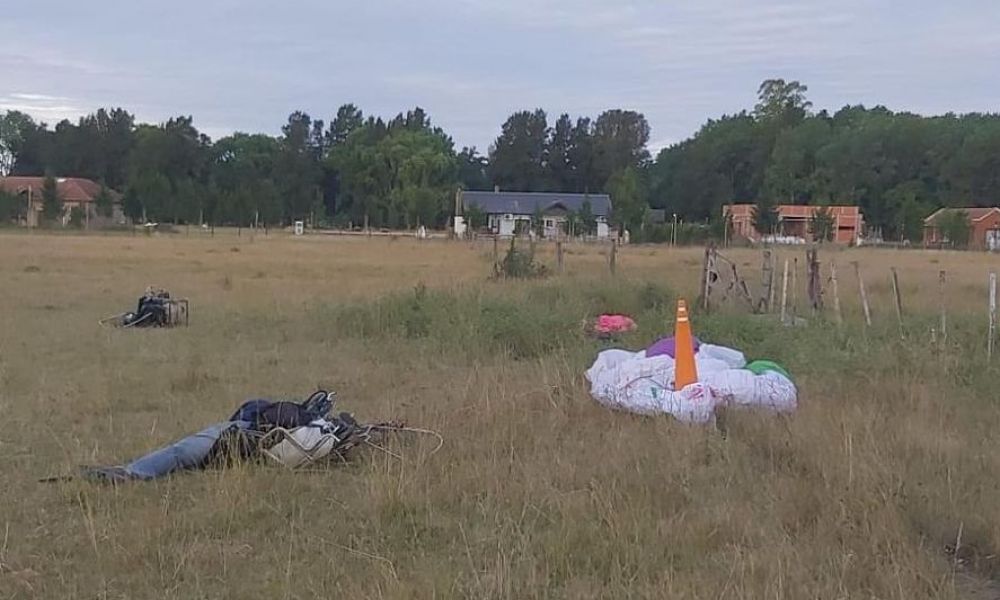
(73,191)
(510,213)
(794,220)
(984,227)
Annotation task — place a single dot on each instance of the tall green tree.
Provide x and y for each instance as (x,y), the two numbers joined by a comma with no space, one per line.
(104,203)
(247,165)
(52,203)
(169,160)
(10,206)
(587,220)
(619,141)
(793,173)
(628,198)
(348,120)
(955,227)
(298,166)
(401,175)
(821,225)
(475,218)
(561,170)
(723,163)
(582,158)
(782,101)
(572,223)
(765,217)
(473,170)
(538,222)
(16,129)
(518,157)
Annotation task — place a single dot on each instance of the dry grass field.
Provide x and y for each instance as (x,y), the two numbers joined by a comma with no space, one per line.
(538,492)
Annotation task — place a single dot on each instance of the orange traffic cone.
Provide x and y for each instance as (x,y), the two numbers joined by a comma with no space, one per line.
(685,372)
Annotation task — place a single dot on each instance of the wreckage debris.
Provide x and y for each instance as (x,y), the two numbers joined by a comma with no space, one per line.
(647,381)
(156,308)
(287,433)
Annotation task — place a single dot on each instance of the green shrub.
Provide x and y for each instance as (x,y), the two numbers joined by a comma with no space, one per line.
(521,322)
(518,264)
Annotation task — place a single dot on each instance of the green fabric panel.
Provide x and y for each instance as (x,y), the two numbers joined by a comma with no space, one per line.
(759,367)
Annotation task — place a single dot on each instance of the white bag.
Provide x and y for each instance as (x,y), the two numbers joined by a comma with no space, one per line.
(302,445)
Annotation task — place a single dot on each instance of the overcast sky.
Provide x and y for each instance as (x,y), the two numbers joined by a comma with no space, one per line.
(246,64)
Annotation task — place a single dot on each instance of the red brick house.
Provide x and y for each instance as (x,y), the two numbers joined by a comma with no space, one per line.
(984,227)
(73,191)
(794,219)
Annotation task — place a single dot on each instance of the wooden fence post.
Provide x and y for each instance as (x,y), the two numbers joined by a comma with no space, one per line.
(815,283)
(795,289)
(613,259)
(559,256)
(864,295)
(784,292)
(993,314)
(836,294)
(706,277)
(942,278)
(898,297)
(771,288)
(766,282)
(496,251)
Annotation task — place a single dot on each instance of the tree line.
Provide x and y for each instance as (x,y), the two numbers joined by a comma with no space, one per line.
(403,172)
(898,167)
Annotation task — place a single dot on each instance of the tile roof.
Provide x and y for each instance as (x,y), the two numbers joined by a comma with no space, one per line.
(975,214)
(526,203)
(71,189)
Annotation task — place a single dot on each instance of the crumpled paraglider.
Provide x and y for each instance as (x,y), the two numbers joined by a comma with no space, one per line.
(643,384)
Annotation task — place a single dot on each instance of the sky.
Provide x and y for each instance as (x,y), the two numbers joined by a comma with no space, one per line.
(244,65)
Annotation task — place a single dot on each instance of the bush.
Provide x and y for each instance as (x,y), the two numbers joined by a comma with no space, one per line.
(519,264)
(687,234)
(523,324)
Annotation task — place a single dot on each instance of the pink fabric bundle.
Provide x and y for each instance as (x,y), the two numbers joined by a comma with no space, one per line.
(607,324)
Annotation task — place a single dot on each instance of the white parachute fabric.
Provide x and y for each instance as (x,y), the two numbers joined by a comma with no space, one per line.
(734,359)
(632,382)
(740,387)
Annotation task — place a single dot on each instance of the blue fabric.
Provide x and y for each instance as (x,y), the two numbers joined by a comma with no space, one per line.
(187,453)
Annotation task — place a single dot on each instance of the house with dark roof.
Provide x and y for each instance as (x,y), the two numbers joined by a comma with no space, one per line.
(984,227)
(74,192)
(511,213)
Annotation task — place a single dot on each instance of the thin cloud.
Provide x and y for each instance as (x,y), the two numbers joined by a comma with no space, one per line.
(246,64)
(42,106)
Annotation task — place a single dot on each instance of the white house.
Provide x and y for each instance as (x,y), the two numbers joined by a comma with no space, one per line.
(511,213)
